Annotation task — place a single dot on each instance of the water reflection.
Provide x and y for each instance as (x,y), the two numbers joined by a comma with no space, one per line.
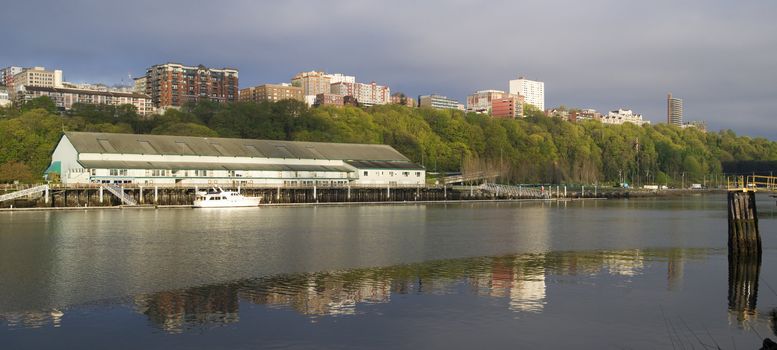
(520,281)
(743,273)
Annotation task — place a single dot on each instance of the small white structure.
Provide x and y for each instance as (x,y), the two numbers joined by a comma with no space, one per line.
(83,157)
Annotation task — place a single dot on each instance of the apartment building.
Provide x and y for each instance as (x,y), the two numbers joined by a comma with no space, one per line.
(480,101)
(622,116)
(439,102)
(7,74)
(674,110)
(271,93)
(402,99)
(366,94)
(510,106)
(533,91)
(174,84)
(64,98)
(35,76)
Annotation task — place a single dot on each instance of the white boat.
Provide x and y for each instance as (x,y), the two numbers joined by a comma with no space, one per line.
(218,198)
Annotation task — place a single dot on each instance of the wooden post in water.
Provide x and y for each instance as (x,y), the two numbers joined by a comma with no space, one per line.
(743,236)
(744,254)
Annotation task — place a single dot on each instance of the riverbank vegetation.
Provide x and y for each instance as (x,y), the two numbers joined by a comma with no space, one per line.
(535,149)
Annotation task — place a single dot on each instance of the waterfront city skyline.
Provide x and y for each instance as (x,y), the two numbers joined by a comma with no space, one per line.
(718,57)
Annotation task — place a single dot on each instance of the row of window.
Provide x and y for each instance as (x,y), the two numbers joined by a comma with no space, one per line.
(391,173)
(231,173)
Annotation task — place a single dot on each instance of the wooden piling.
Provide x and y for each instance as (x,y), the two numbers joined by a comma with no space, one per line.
(743,236)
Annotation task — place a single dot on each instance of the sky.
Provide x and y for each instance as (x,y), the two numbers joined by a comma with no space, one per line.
(720,57)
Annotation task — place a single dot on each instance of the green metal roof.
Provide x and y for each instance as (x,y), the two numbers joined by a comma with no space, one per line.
(55,167)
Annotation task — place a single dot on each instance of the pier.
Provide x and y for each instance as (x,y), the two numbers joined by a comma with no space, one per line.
(101,195)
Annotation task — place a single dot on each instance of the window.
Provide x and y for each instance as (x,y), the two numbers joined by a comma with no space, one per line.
(365,173)
(107,146)
(147,148)
(417,174)
(220,149)
(202,173)
(159,172)
(118,172)
(183,147)
(406,173)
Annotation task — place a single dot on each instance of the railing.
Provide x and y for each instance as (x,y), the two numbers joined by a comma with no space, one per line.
(752,183)
(514,191)
(119,193)
(25,192)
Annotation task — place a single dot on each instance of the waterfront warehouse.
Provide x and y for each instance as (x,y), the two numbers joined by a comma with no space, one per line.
(86,157)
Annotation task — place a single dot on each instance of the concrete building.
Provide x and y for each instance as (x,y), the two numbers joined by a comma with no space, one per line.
(5,99)
(366,94)
(341,78)
(83,157)
(622,116)
(312,83)
(271,93)
(674,110)
(510,106)
(480,101)
(532,91)
(36,76)
(64,98)
(140,85)
(173,84)
(439,102)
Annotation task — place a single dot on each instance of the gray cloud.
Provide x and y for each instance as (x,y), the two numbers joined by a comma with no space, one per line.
(720,56)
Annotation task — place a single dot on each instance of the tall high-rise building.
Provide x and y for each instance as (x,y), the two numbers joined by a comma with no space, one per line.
(173,84)
(532,91)
(674,110)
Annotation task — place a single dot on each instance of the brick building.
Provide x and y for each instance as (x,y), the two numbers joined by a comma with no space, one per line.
(271,93)
(173,84)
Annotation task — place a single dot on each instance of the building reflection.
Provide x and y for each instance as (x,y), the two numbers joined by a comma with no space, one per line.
(33,319)
(175,311)
(518,280)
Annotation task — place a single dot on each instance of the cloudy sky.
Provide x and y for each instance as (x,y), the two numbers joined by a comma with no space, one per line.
(719,56)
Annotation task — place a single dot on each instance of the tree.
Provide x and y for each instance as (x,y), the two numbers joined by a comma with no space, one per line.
(43,102)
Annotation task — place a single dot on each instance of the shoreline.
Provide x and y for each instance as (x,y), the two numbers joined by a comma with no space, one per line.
(280,205)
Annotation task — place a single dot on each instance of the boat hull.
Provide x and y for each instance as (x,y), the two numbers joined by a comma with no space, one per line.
(246,202)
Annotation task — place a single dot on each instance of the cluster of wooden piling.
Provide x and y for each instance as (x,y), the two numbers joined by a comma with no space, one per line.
(744,253)
(744,238)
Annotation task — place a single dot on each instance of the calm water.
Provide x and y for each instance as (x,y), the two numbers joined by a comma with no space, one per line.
(637,274)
